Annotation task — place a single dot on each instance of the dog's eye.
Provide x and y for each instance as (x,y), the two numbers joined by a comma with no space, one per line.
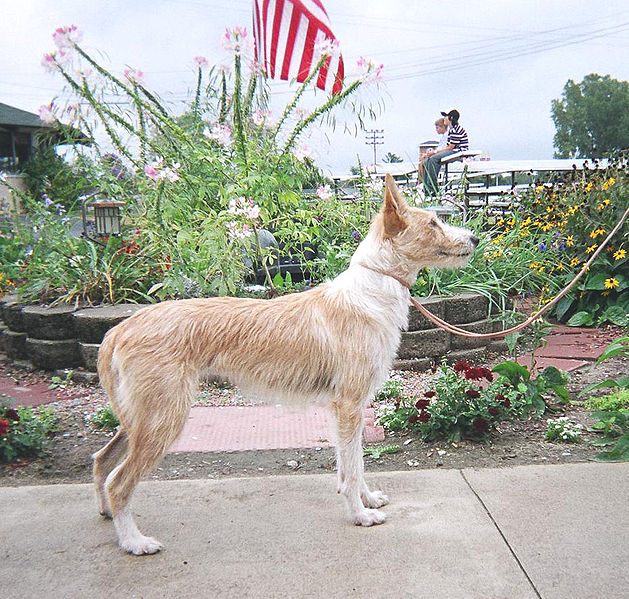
(433,223)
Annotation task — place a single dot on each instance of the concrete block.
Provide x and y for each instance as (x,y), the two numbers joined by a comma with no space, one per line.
(436,305)
(41,322)
(89,355)
(12,313)
(418,365)
(466,307)
(14,344)
(481,326)
(424,344)
(91,324)
(53,354)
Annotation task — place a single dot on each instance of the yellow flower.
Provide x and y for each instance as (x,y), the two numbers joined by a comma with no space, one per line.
(573,209)
(596,233)
(561,267)
(604,203)
(590,249)
(534,265)
(588,187)
(574,262)
(620,254)
(611,283)
(608,183)
(570,241)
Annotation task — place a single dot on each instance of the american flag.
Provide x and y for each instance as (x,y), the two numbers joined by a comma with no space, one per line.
(286,32)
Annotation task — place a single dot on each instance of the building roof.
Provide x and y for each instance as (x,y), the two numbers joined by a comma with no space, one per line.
(19,118)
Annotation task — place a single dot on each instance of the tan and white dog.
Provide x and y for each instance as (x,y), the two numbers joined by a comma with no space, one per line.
(334,344)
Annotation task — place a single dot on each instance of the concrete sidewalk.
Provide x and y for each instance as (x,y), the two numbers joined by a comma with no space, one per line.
(526,532)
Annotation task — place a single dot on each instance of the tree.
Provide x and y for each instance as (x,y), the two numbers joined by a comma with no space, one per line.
(390,157)
(592,117)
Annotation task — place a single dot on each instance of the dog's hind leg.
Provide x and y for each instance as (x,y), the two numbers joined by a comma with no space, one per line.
(349,455)
(150,434)
(105,461)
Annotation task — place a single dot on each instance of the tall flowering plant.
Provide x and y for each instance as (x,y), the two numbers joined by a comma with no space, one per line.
(184,171)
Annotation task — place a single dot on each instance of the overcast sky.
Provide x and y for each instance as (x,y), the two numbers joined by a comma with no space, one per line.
(500,63)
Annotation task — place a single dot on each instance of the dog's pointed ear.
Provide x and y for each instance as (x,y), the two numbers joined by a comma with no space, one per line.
(393,208)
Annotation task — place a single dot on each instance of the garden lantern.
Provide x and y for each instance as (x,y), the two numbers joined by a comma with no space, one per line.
(107,217)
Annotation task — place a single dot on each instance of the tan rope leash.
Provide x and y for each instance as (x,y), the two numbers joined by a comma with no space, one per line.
(463,333)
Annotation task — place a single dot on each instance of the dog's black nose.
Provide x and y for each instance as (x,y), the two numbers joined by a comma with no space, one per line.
(474,240)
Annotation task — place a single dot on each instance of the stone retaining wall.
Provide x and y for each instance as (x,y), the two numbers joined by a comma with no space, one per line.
(66,338)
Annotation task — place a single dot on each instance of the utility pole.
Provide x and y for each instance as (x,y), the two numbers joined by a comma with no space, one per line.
(374,137)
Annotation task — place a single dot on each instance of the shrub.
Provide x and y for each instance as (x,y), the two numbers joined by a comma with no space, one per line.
(561,429)
(466,402)
(23,431)
(563,223)
(611,402)
(105,418)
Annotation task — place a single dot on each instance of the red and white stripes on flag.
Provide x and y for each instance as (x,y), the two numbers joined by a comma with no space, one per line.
(286,32)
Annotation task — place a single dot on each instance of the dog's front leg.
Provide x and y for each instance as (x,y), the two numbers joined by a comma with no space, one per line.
(351,479)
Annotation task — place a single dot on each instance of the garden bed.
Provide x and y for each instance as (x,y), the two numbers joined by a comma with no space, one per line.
(67,458)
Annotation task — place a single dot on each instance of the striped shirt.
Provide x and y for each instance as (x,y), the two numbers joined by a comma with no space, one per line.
(458,136)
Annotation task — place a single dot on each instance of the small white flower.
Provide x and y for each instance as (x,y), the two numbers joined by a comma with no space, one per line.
(219,133)
(46,114)
(326,47)
(302,152)
(325,193)
(368,71)
(66,37)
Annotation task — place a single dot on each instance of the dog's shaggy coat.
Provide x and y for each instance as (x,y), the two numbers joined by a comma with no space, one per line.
(334,344)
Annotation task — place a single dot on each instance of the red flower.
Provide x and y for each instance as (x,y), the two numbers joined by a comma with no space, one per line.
(494,411)
(422,404)
(472,393)
(424,416)
(461,367)
(506,402)
(487,374)
(430,393)
(413,418)
(12,414)
(500,397)
(474,374)
(480,426)
(4,427)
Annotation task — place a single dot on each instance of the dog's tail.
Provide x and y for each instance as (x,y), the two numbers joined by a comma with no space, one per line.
(107,372)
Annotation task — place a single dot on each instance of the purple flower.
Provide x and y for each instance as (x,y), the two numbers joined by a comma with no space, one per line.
(356,235)
(543,247)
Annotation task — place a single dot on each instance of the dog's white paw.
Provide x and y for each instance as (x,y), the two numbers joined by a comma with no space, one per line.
(141,546)
(369,518)
(374,499)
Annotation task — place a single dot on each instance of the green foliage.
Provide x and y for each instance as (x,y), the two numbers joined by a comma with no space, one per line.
(615,429)
(392,390)
(377,452)
(612,402)
(591,117)
(619,347)
(105,418)
(23,431)
(49,175)
(612,417)
(534,390)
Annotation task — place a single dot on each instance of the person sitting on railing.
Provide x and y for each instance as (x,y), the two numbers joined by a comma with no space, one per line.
(442,130)
(457,142)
